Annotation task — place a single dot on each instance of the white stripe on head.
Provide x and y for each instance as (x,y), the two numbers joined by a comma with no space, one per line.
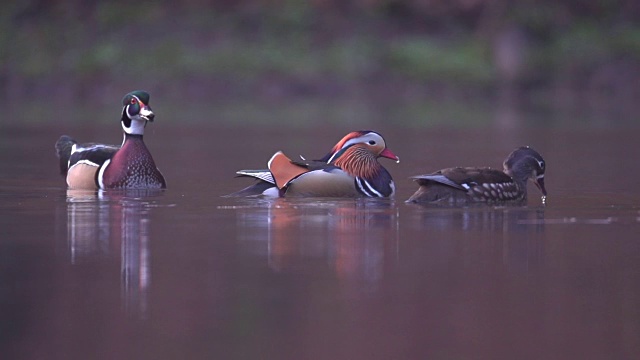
(371,136)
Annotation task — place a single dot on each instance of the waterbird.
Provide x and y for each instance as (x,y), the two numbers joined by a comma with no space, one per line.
(460,185)
(100,166)
(349,169)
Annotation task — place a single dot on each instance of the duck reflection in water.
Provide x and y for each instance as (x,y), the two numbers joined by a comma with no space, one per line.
(356,238)
(101,224)
(514,234)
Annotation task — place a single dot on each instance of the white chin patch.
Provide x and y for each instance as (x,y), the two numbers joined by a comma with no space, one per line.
(136,128)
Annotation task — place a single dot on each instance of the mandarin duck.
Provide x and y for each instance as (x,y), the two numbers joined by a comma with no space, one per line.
(128,166)
(350,169)
(462,185)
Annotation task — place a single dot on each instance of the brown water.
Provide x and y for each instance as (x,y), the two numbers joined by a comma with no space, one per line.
(186,274)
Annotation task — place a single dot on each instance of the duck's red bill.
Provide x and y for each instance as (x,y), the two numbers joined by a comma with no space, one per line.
(389,155)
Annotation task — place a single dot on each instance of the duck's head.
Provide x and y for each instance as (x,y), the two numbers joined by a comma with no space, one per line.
(365,140)
(136,112)
(525,163)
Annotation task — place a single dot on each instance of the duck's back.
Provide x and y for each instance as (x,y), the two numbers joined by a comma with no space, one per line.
(461,185)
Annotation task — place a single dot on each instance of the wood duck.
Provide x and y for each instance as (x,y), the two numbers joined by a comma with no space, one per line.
(99,166)
(350,169)
(461,185)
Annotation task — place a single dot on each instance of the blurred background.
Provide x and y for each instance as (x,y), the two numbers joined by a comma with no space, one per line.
(447,82)
(416,62)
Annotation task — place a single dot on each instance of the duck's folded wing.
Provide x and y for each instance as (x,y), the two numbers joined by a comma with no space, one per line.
(464,178)
(262,174)
(93,154)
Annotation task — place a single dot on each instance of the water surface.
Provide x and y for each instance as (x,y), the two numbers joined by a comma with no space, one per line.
(186,273)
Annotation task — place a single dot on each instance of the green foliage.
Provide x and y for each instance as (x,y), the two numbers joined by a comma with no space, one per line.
(310,42)
(583,42)
(424,58)
(625,41)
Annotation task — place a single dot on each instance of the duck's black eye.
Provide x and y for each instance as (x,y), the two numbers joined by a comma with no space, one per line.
(371,142)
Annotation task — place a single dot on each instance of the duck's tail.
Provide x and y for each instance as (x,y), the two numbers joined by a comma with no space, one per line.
(63,149)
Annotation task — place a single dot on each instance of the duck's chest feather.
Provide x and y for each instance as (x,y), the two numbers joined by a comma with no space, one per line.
(130,168)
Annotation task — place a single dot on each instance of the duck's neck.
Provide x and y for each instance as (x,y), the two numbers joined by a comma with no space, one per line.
(131,137)
(520,178)
(358,162)
(136,127)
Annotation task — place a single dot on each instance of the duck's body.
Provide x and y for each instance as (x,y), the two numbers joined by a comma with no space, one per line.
(463,185)
(100,166)
(350,169)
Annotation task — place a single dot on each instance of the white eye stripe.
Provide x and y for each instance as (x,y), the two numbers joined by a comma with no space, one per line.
(351,142)
(367,138)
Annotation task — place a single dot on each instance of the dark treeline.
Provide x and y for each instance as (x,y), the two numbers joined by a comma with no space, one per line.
(231,47)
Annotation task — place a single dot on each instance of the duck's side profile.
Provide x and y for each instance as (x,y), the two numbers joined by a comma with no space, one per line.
(128,166)
(461,185)
(350,169)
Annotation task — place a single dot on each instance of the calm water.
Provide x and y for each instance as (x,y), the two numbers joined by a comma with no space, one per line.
(186,274)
